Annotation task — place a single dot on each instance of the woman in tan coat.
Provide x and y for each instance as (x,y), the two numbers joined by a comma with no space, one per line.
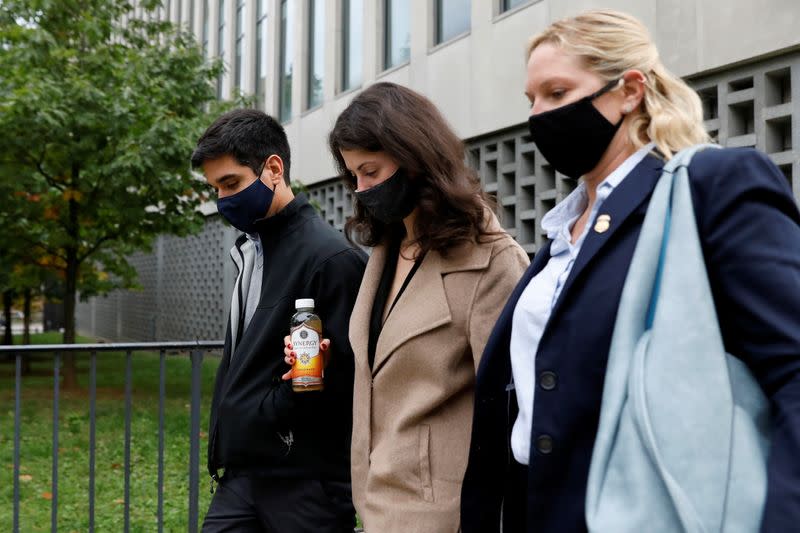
(440,270)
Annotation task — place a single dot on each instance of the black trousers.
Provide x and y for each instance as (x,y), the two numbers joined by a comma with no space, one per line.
(268,505)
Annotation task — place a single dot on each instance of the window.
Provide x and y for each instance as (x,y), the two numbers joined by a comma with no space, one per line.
(507,5)
(239,44)
(206,11)
(191,16)
(285,89)
(452,19)
(352,43)
(261,53)
(316,52)
(221,42)
(396,31)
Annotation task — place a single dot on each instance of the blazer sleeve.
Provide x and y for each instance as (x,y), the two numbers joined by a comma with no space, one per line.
(750,230)
(491,294)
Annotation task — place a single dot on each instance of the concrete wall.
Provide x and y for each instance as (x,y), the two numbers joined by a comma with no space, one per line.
(477,79)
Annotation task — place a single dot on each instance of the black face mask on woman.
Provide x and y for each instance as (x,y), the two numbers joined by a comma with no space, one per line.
(574,137)
(392,200)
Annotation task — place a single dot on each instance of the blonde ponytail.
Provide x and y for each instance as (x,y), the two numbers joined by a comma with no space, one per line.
(611,43)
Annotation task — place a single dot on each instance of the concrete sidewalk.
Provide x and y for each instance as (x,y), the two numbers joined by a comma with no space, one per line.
(17,328)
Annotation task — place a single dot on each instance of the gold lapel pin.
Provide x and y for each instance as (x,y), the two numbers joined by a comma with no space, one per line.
(602,224)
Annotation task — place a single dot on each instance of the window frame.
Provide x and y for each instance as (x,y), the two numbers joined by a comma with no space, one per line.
(437,40)
(310,43)
(385,37)
(345,44)
(261,53)
(239,46)
(284,45)
(221,36)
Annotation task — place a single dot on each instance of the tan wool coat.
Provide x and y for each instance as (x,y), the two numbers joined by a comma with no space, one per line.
(412,413)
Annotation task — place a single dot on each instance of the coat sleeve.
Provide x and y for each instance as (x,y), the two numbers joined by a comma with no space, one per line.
(750,230)
(334,287)
(495,286)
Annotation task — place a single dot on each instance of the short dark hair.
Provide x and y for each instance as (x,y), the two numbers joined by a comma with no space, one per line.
(411,130)
(249,136)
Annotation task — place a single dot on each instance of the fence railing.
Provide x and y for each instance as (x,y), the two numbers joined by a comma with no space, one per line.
(196,351)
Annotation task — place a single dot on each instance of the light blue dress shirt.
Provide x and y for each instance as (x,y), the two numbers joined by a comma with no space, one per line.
(539,297)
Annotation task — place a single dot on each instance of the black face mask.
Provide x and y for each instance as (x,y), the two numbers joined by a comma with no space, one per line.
(390,201)
(574,137)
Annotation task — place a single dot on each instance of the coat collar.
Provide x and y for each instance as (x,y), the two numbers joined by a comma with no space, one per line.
(622,202)
(422,307)
(285,221)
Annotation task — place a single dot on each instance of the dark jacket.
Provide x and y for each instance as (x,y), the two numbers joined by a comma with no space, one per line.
(749,229)
(258,425)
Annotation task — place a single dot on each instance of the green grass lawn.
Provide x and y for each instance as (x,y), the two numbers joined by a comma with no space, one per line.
(73,452)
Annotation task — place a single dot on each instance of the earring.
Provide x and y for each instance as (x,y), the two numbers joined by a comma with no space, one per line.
(626,109)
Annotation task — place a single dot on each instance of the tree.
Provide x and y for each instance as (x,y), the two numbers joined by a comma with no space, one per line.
(99,119)
(11,253)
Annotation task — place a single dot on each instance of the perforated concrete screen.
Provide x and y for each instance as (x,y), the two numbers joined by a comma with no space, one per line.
(186,286)
(187,282)
(757,105)
(334,201)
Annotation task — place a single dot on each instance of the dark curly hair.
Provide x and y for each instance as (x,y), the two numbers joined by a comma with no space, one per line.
(452,207)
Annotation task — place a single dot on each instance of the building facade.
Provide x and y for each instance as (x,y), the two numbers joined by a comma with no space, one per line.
(304,60)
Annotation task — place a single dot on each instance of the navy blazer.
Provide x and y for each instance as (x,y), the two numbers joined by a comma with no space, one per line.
(749,228)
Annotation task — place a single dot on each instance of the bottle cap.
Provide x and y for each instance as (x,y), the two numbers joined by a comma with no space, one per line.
(304,303)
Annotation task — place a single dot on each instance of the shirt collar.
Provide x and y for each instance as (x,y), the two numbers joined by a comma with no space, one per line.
(564,214)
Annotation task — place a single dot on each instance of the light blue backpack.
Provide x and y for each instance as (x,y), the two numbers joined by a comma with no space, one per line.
(684,427)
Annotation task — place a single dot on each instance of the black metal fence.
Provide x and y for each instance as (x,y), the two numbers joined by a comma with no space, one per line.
(196,351)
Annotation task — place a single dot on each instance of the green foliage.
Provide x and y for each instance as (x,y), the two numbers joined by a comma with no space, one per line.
(98,120)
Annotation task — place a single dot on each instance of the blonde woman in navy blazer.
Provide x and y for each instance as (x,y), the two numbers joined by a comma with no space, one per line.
(604,108)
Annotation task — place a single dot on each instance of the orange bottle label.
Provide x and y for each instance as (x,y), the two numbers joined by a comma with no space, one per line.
(308,367)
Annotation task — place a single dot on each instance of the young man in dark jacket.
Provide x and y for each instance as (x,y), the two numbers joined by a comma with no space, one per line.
(285,455)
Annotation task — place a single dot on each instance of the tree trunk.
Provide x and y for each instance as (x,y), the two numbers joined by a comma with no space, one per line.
(26,310)
(26,332)
(69,371)
(8,296)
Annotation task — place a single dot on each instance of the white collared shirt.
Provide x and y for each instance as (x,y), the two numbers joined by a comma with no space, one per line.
(540,296)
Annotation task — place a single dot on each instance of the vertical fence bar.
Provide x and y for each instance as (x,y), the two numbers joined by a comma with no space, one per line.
(128,387)
(54,489)
(17,427)
(92,422)
(162,392)
(194,441)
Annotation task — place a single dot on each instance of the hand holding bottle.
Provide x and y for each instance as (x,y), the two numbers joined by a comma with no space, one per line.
(290,356)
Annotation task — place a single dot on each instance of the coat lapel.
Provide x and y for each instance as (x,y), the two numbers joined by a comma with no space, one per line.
(423,306)
(622,202)
(501,333)
(360,317)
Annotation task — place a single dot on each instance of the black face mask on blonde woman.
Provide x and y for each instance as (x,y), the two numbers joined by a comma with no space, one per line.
(575,136)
